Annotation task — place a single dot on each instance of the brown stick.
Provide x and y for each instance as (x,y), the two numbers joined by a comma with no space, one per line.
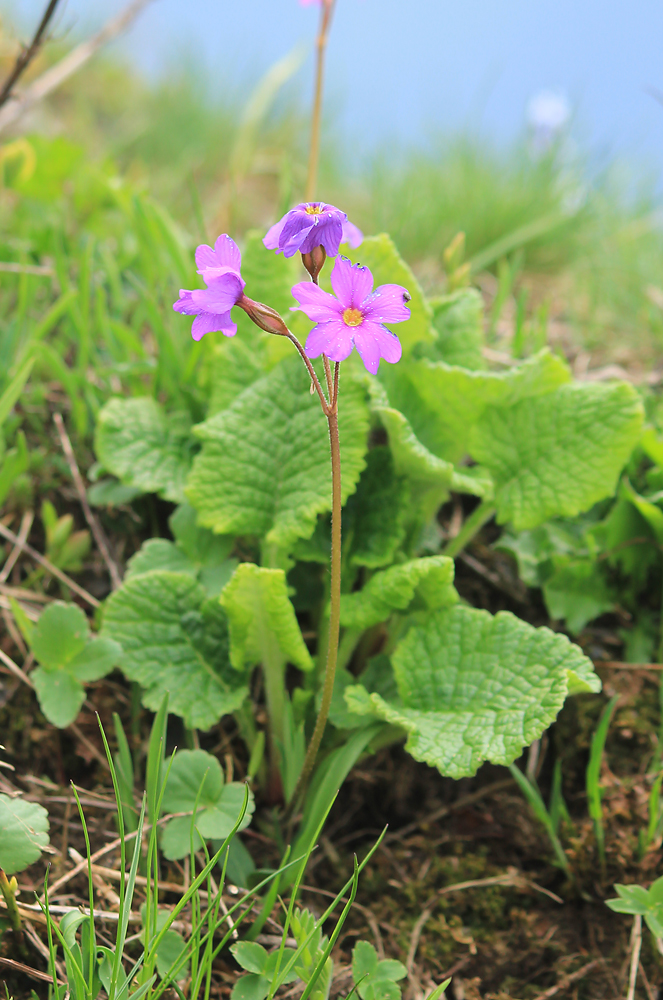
(24,531)
(618,665)
(28,970)
(569,980)
(53,570)
(93,522)
(71,63)
(27,53)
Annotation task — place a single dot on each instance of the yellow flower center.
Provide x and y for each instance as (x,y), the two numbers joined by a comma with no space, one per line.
(314,209)
(352,317)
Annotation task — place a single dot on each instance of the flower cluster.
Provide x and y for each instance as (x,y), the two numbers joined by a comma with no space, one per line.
(353,317)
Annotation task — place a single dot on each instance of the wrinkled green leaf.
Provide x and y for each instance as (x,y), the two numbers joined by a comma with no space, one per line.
(443,402)
(175,641)
(144,447)
(374,517)
(556,455)
(458,325)
(23,833)
(415,585)
(429,477)
(577,592)
(261,617)
(475,687)
(264,466)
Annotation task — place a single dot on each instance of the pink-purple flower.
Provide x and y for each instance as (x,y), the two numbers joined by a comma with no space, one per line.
(309,225)
(220,270)
(353,316)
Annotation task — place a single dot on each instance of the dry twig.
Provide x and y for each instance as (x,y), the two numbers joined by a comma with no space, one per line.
(24,531)
(636,945)
(27,53)
(93,522)
(566,981)
(53,570)
(71,63)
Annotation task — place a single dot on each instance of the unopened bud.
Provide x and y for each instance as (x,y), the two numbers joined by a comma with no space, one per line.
(315,261)
(263,316)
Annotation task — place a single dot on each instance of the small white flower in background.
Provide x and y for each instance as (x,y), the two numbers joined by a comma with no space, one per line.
(548,111)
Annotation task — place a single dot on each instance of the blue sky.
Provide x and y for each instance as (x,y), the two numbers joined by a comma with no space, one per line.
(399,70)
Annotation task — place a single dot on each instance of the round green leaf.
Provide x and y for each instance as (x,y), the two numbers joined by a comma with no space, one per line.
(23,833)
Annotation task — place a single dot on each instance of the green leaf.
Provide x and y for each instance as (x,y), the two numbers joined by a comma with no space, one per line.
(251,956)
(251,987)
(379,989)
(557,455)
(429,581)
(195,782)
(235,365)
(15,462)
(364,960)
(264,467)
(458,324)
(175,641)
(429,477)
(389,968)
(23,833)
(374,517)
(260,617)
(388,267)
(145,448)
(577,592)
(60,695)
(475,687)
(199,544)
(169,952)
(159,554)
(632,899)
(61,634)
(443,402)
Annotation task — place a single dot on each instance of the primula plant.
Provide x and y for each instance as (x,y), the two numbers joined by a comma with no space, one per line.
(369,618)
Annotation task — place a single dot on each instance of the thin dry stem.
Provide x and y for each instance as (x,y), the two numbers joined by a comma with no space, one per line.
(24,531)
(27,53)
(93,522)
(316,117)
(53,570)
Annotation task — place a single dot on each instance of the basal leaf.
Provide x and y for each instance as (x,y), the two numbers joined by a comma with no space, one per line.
(60,695)
(458,326)
(429,477)
(419,584)
(474,687)
(374,517)
(23,833)
(557,455)
(144,447)
(175,641)
(250,955)
(160,554)
(443,402)
(264,466)
(380,255)
(261,618)
(235,365)
(577,592)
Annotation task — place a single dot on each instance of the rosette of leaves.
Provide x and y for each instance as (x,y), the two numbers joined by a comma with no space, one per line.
(69,657)
(196,785)
(261,966)
(637,900)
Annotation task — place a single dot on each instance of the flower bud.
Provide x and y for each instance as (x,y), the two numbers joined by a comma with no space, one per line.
(263,316)
(315,261)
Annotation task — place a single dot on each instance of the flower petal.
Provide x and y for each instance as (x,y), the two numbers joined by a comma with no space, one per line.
(185,303)
(387,305)
(318,305)
(227,253)
(205,257)
(352,283)
(211,323)
(222,293)
(327,232)
(373,342)
(333,338)
(352,234)
(296,228)
(273,235)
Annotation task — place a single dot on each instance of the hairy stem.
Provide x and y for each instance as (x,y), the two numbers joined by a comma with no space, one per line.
(472,525)
(334,598)
(314,149)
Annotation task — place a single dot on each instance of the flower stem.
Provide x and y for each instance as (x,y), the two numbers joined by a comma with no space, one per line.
(8,890)
(314,149)
(334,597)
(472,525)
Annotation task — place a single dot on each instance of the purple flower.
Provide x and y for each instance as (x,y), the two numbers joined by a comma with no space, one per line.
(310,225)
(353,317)
(220,270)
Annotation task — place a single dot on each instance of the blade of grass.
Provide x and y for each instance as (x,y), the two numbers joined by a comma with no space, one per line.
(593,775)
(538,807)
